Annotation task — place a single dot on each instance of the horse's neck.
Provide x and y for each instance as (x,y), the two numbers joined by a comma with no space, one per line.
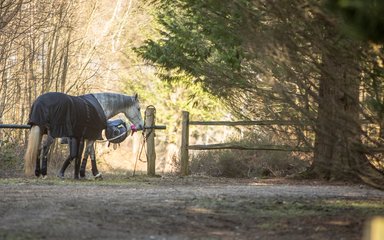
(113,103)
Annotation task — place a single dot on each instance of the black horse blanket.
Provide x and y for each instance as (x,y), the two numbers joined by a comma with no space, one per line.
(68,116)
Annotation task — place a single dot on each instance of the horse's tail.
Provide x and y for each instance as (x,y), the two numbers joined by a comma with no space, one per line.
(32,150)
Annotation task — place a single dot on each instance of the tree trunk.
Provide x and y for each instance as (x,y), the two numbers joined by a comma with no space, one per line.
(338,147)
(337,126)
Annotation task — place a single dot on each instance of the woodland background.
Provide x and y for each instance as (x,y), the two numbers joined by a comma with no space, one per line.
(319,63)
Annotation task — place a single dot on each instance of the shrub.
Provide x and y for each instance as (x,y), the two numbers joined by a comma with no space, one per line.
(11,159)
(248,163)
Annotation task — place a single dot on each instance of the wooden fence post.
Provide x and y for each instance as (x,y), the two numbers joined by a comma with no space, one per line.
(184,144)
(150,139)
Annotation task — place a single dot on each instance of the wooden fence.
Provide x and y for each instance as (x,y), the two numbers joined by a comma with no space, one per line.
(185,147)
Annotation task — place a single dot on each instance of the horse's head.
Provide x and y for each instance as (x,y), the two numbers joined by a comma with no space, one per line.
(134,115)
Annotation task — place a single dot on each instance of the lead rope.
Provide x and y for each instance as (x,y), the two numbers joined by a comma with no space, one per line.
(111,139)
(144,137)
(138,156)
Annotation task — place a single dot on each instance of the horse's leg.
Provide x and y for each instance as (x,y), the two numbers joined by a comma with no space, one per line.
(83,166)
(72,143)
(46,145)
(85,157)
(95,171)
(64,167)
(80,149)
(43,140)
(92,153)
(37,166)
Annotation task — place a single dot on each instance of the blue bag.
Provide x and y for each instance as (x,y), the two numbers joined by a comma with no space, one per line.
(116,131)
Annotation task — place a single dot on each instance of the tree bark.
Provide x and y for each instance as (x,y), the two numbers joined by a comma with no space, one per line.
(338,151)
(337,127)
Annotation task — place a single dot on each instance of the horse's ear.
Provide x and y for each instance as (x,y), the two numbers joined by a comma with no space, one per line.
(136,96)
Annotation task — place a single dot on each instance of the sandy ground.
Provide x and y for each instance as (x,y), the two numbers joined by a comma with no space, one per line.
(184,208)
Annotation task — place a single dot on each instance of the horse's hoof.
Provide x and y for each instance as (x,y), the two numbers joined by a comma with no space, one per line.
(60,175)
(98,176)
(44,177)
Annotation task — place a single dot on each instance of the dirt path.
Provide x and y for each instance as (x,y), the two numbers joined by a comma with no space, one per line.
(184,208)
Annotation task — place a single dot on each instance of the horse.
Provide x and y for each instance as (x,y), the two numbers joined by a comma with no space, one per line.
(57,115)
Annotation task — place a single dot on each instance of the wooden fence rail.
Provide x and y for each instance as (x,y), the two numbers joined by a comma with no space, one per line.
(185,147)
(17,126)
(249,123)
